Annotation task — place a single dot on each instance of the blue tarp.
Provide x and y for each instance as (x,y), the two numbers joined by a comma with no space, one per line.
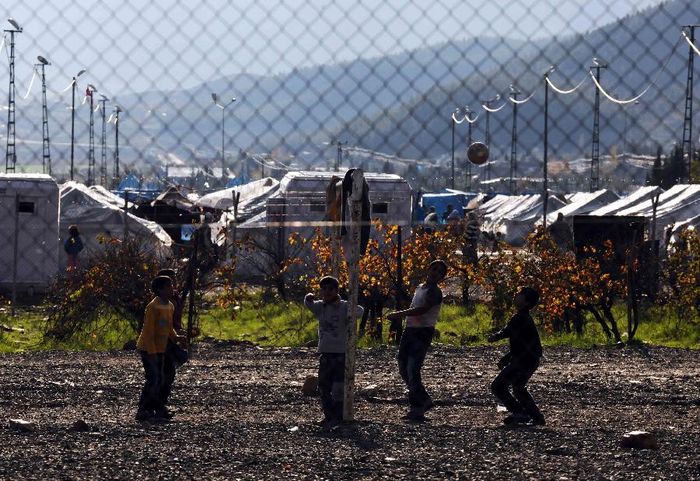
(440,200)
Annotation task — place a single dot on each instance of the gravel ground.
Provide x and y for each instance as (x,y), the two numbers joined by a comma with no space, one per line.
(241,415)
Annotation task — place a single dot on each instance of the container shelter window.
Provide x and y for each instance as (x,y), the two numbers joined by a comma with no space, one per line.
(380,208)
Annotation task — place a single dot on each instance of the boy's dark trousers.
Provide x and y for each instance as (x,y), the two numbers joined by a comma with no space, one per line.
(153,370)
(413,348)
(331,384)
(166,385)
(517,373)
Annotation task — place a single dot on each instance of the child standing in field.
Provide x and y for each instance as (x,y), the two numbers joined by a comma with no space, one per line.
(73,246)
(152,342)
(332,314)
(173,357)
(421,317)
(518,365)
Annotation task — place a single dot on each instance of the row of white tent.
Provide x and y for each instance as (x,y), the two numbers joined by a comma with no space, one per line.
(515,216)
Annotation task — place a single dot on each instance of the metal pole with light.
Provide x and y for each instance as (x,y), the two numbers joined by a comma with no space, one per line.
(103,159)
(595,145)
(117,111)
(454,121)
(72,122)
(470,121)
(514,140)
(488,131)
(46,150)
(222,106)
(89,92)
(10,151)
(545,198)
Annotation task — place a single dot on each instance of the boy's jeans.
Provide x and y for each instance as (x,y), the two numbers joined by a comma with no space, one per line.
(517,373)
(415,342)
(153,370)
(331,384)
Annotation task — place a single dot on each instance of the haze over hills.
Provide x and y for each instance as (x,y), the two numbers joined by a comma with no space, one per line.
(401,104)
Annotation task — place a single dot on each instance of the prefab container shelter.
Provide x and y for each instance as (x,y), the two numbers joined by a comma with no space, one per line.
(29,246)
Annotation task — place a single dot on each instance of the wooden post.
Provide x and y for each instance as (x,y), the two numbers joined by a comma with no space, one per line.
(352,257)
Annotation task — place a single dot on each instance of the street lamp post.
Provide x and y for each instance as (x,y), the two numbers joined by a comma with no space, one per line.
(10,153)
(72,122)
(488,131)
(103,158)
(454,120)
(222,106)
(545,198)
(90,92)
(46,150)
(117,111)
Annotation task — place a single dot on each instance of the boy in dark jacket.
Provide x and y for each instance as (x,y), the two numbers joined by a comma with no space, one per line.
(518,365)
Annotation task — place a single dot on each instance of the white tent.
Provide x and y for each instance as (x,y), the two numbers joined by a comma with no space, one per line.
(252,197)
(637,197)
(99,218)
(679,203)
(582,203)
(515,216)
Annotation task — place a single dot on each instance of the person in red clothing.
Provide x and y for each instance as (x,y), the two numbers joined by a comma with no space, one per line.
(157,329)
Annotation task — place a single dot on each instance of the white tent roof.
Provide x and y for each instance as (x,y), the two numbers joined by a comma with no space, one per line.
(250,194)
(636,197)
(582,203)
(681,201)
(515,216)
(93,214)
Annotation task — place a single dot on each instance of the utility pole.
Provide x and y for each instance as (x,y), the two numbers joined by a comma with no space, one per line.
(687,144)
(545,192)
(487,103)
(103,160)
(595,144)
(91,149)
(470,123)
(338,156)
(46,150)
(454,123)
(10,151)
(513,139)
(117,111)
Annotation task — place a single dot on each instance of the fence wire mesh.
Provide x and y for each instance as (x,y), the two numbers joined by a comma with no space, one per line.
(578,103)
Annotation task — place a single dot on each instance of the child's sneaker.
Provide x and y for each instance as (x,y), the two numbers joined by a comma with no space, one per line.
(536,421)
(516,418)
(164,413)
(143,415)
(415,415)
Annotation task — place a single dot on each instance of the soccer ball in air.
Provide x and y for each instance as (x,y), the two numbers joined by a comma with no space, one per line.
(478,153)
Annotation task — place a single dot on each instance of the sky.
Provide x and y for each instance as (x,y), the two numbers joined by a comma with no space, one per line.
(132,45)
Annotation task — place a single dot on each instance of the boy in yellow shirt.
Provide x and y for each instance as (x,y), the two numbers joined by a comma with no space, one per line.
(157,329)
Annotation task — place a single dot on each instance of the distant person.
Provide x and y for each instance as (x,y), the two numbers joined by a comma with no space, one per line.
(431,221)
(520,363)
(454,217)
(561,234)
(421,317)
(332,314)
(447,213)
(73,246)
(152,342)
(472,234)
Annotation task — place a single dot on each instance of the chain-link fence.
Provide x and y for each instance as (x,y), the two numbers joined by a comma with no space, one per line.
(170,111)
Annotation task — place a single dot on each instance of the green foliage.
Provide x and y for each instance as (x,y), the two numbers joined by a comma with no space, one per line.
(110,293)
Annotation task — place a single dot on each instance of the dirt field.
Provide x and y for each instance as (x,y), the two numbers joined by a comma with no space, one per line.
(241,415)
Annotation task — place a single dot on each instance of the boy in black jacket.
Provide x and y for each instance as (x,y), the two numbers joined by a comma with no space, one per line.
(520,363)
